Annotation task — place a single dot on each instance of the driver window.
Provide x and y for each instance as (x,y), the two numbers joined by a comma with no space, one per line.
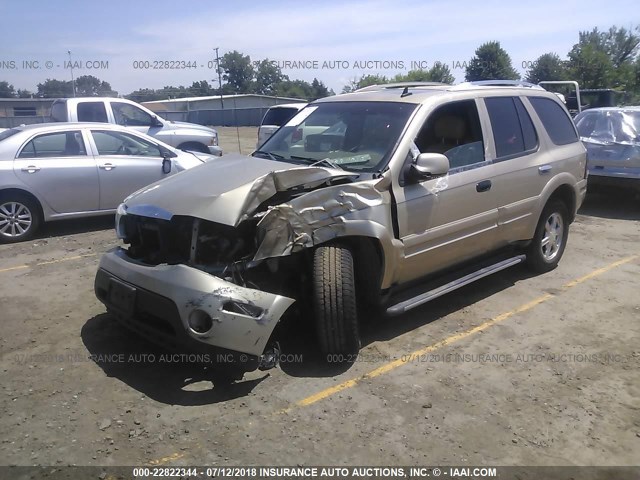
(130,116)
(117,143)
(453,130)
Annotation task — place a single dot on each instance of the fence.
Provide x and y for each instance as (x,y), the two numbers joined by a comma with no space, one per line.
(229,117)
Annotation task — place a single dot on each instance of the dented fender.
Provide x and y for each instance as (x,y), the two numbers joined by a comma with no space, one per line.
(356,209)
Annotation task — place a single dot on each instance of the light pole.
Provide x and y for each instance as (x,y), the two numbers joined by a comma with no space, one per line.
(73,83)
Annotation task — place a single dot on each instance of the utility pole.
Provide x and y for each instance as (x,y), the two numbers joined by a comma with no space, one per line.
(73,82)
(220,84)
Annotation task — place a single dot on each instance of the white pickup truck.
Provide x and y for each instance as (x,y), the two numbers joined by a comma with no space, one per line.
(185,136)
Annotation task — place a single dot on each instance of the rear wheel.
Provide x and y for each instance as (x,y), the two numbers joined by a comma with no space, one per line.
(547,246)
(334,298)
(20,217)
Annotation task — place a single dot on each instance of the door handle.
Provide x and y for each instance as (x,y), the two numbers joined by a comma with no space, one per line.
(107,166)
(483,186)
(31,169)
(544,169)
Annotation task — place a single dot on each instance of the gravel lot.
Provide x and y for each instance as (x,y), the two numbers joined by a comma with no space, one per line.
(512,370)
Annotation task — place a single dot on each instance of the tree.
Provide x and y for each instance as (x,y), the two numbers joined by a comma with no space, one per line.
(438,73)
(364,81)
(491,62)
(547,67)
(52,88)
(319,90)
(605,59)
(238,72)
(144,95)
(268,75)
(90,86)
(201,89)
(294,89)
(7,90)
(24,93)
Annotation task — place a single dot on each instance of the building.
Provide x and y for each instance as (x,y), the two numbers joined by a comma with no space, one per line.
(226,110)
(16,111)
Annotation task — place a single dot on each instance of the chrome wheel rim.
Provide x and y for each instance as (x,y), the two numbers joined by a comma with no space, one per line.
(15,219)
(553,237)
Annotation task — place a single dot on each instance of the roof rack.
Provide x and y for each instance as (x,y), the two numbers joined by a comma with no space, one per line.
(386,86)
(497,83)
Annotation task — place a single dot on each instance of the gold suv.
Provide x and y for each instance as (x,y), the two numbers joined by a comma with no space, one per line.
(387,197)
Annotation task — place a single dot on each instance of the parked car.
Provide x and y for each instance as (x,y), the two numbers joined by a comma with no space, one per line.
(419,191)
(63,170)
(275,117)
(612,138)
(119,111)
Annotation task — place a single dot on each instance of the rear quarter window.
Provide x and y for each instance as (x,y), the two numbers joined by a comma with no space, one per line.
(555,119)
(279,116)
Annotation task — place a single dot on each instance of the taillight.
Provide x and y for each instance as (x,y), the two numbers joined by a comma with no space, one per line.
(296,136)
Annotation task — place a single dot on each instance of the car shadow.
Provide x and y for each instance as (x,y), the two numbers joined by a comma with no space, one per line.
(60,228)
(614,204)
(154,371)
(299,341)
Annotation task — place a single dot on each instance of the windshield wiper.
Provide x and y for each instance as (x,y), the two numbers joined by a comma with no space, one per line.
(271,156)
(316,162)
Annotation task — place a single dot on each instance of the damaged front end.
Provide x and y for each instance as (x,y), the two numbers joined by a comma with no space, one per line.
(220,269)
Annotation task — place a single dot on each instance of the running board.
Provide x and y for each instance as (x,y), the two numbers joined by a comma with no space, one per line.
(402,307)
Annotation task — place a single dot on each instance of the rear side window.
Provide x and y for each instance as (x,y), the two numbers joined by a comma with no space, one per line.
(92,112)
(555,120)
(513,131)
(279,116)
(118,143)
(62,144)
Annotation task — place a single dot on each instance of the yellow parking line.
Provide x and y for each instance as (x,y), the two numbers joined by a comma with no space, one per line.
(60,260)
(310,400)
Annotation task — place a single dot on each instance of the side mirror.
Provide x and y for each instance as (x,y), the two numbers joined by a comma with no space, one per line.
(166,163)
(428,166)
(156,122)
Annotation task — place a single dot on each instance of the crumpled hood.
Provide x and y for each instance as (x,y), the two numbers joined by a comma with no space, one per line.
(226,190)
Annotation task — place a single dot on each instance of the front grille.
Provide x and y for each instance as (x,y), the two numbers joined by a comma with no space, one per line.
(154,241)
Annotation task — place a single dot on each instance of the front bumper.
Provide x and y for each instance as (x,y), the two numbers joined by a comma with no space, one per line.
(215,150)
(164,297)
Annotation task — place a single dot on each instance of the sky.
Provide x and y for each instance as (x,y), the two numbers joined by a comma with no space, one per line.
(333,40)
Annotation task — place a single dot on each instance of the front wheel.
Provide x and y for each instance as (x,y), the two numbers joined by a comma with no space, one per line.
(550,239)
(334,299)
(19,218)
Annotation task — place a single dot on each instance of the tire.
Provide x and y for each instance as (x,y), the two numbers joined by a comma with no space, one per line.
(550,239)
(334,302)
(194,147)
(20,217)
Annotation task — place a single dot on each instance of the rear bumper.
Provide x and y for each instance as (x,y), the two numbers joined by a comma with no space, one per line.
(164,297)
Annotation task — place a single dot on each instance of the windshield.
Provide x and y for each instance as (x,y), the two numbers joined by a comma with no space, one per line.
(609,127)
(357,136)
